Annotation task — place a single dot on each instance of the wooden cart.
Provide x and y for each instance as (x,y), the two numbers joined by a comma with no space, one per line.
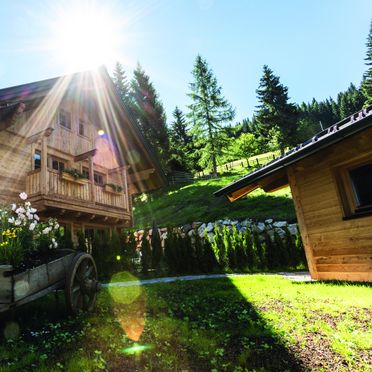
(74,271)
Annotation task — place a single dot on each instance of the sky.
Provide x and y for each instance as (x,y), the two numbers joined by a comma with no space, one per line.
(317,47)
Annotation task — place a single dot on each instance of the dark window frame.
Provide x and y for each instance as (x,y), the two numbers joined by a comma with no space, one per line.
(66,122)
(348,193)
(37,159)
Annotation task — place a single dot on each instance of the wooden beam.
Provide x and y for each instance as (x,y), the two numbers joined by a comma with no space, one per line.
(85,155)
(141,175)
(235,195)
(91,180)
(302,223)
(39,135)
(44,166)
(62,212)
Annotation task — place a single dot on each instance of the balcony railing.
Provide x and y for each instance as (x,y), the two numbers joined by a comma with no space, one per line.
(71,189)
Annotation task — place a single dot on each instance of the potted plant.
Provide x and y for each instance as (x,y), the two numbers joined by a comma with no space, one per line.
(73,175)
(113,188)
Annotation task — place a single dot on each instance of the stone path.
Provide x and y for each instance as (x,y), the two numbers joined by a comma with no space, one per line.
(302,276)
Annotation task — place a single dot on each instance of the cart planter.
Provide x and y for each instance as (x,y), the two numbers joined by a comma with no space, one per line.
(76,272)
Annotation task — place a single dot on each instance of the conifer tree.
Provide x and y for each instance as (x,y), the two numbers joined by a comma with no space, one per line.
(180,142)
(275,114)
(367,77)
(209,110)
(149,113)
(121,83)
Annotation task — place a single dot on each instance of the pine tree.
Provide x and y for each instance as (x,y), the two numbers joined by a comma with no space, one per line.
(180,142)
(367,77)
(208,111)
(121,83)
(149,113)
(275,114)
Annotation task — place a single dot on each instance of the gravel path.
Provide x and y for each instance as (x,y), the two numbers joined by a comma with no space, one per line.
(302,276)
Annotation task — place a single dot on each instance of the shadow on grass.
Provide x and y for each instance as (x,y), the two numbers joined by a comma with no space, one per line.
(341,283)
(196,325)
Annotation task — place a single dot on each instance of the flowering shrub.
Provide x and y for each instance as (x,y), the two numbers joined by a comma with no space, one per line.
(23,237)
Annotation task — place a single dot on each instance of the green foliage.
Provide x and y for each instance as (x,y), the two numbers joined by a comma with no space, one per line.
(149,113)
(73,172)
(275,116)
(208,111)
(81,241)
(181,144)
(156,248)
(121,82)
(23,239)
(145,253)
(367,77)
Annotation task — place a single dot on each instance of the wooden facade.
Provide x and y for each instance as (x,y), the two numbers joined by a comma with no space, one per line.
(337,236)
(75,123)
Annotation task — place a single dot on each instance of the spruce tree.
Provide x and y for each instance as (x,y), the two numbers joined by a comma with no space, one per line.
(367,77)
(275,115)
(180,142)
(209,110)
(121,83)
(149,113)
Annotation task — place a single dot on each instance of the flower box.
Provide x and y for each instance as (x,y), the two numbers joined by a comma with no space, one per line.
(110,189)
(68,177)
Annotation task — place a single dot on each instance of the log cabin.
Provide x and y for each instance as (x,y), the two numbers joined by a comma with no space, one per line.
(330,177)
(74,148)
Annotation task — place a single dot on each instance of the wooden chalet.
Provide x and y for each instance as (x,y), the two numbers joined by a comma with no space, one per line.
(72,146)
(330,177)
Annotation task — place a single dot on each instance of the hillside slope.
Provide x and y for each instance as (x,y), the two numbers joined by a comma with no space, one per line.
(178,205)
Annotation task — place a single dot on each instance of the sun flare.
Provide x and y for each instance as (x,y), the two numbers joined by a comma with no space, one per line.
(85,37)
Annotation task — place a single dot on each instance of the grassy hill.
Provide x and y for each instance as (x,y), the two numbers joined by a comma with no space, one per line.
(180,204)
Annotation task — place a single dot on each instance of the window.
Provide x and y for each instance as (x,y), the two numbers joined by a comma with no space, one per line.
(82,128)
(355,188)
(37,159)
(86,173)
(361,180)
(64,119)
(98,178)
(58,165)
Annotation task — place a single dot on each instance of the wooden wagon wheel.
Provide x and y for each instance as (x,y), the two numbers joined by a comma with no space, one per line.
(81,284)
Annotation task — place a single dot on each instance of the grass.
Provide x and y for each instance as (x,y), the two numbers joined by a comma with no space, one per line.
(182,204)
(251,322)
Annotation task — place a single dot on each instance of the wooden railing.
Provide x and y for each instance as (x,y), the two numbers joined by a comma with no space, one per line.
(76,190)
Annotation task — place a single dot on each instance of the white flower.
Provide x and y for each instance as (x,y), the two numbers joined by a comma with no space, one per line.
(33,210)
(29,215)
(50,246)
(11,220)
(32,226)
(36,217)
(27,204)
(20,210)
(23,195)
(17,222)
(14,206)
(56,226)
(47,230)
(53,240)
(55,244)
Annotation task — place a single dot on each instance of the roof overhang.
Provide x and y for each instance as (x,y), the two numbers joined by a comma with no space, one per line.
(273,176)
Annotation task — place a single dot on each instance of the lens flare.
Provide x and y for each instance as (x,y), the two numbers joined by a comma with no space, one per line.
(136,349)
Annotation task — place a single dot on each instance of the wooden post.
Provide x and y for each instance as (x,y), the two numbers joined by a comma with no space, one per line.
(125,179)
(302,223)
(91,179)
(44,166)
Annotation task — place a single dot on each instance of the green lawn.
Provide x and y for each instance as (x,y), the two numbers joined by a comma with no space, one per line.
(178,205)
(251,322)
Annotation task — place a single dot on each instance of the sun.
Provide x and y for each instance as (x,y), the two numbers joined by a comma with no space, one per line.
(84,37)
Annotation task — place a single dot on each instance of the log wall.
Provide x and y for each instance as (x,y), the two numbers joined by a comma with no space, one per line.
(336,248)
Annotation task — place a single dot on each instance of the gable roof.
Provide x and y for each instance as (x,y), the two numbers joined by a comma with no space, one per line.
(96,86)
(347,127)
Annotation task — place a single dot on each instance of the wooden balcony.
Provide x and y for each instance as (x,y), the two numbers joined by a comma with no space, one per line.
(80,196)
